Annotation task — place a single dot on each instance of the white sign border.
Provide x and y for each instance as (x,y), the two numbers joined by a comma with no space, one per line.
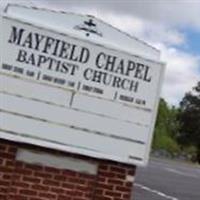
(22,139)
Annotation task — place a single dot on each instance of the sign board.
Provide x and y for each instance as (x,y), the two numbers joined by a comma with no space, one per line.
(67,93)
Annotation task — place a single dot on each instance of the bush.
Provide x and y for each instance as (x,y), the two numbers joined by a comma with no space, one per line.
(191,152)
(165,142)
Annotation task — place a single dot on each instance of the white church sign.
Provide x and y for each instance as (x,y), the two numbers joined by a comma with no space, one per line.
(69,93)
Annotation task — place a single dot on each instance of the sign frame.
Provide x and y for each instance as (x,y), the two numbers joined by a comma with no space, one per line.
(21,138)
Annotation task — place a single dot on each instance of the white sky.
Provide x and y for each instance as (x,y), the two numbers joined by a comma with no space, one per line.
(158,22)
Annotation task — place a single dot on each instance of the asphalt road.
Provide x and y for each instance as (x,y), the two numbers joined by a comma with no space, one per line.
(167,180)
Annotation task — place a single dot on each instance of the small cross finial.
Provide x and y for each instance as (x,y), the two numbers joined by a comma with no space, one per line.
(89,26)
(90,23)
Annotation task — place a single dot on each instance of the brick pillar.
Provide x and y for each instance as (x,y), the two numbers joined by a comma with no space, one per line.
(7,161)
(115,181)
(34,182)
(23,181)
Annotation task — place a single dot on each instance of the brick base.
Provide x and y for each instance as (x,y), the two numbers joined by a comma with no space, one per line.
(22,181)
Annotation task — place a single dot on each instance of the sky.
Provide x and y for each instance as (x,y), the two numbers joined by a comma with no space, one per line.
(172,26)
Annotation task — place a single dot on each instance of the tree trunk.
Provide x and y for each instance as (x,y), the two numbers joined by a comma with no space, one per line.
(198,154)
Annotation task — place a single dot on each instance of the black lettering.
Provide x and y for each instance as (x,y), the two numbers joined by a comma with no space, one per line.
(64,48)
(84,55)
(139,70)
(21,56)
(107,78)
(146,74)
(116,82)
(48,44)
(88,74)
(55,51)
(57,65)
(64,69)
(31,59)
(97,76)
(38,40)
(125,84)
(110,63)
(51,60)
(120,67)
(72,53)
(16,35)
(73,69)
(41,60)
(28,41)
(99,60)
(134,86)
(131,67)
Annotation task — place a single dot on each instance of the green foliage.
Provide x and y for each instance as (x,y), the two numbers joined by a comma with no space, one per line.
(167,119)
(167,143)
(191,151)
(190,120)
(178,130)
(166,129)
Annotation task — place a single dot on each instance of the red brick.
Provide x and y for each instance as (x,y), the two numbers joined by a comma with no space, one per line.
(106,174)
(69,173)
(9,163)
(51,182)
(68,185)
(3,197)
(35,167)
(122,189)
(79,198)
(115,181)
(121,176)
(7,155)
(12,149)
(128,184)
(57,190)
(99,191)
(18,197)
(20,184)
(127,196)
(21,181)
(116,169)
(105,186)
(23,171)
(5,169)
(13,190)
(3,189)
(86,176)
(19,164)
(52,170)
(3,147)
(113,194)
(64,197)
(47,195)
(28,192)
(103,198)
(59,177)
(104,167)
(4,183)
(6,176)
(131,172)
(40,187)
(43,175)
(77,181)
(31,179)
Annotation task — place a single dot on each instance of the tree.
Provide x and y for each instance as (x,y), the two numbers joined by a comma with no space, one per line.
(166,128)
(190,119)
